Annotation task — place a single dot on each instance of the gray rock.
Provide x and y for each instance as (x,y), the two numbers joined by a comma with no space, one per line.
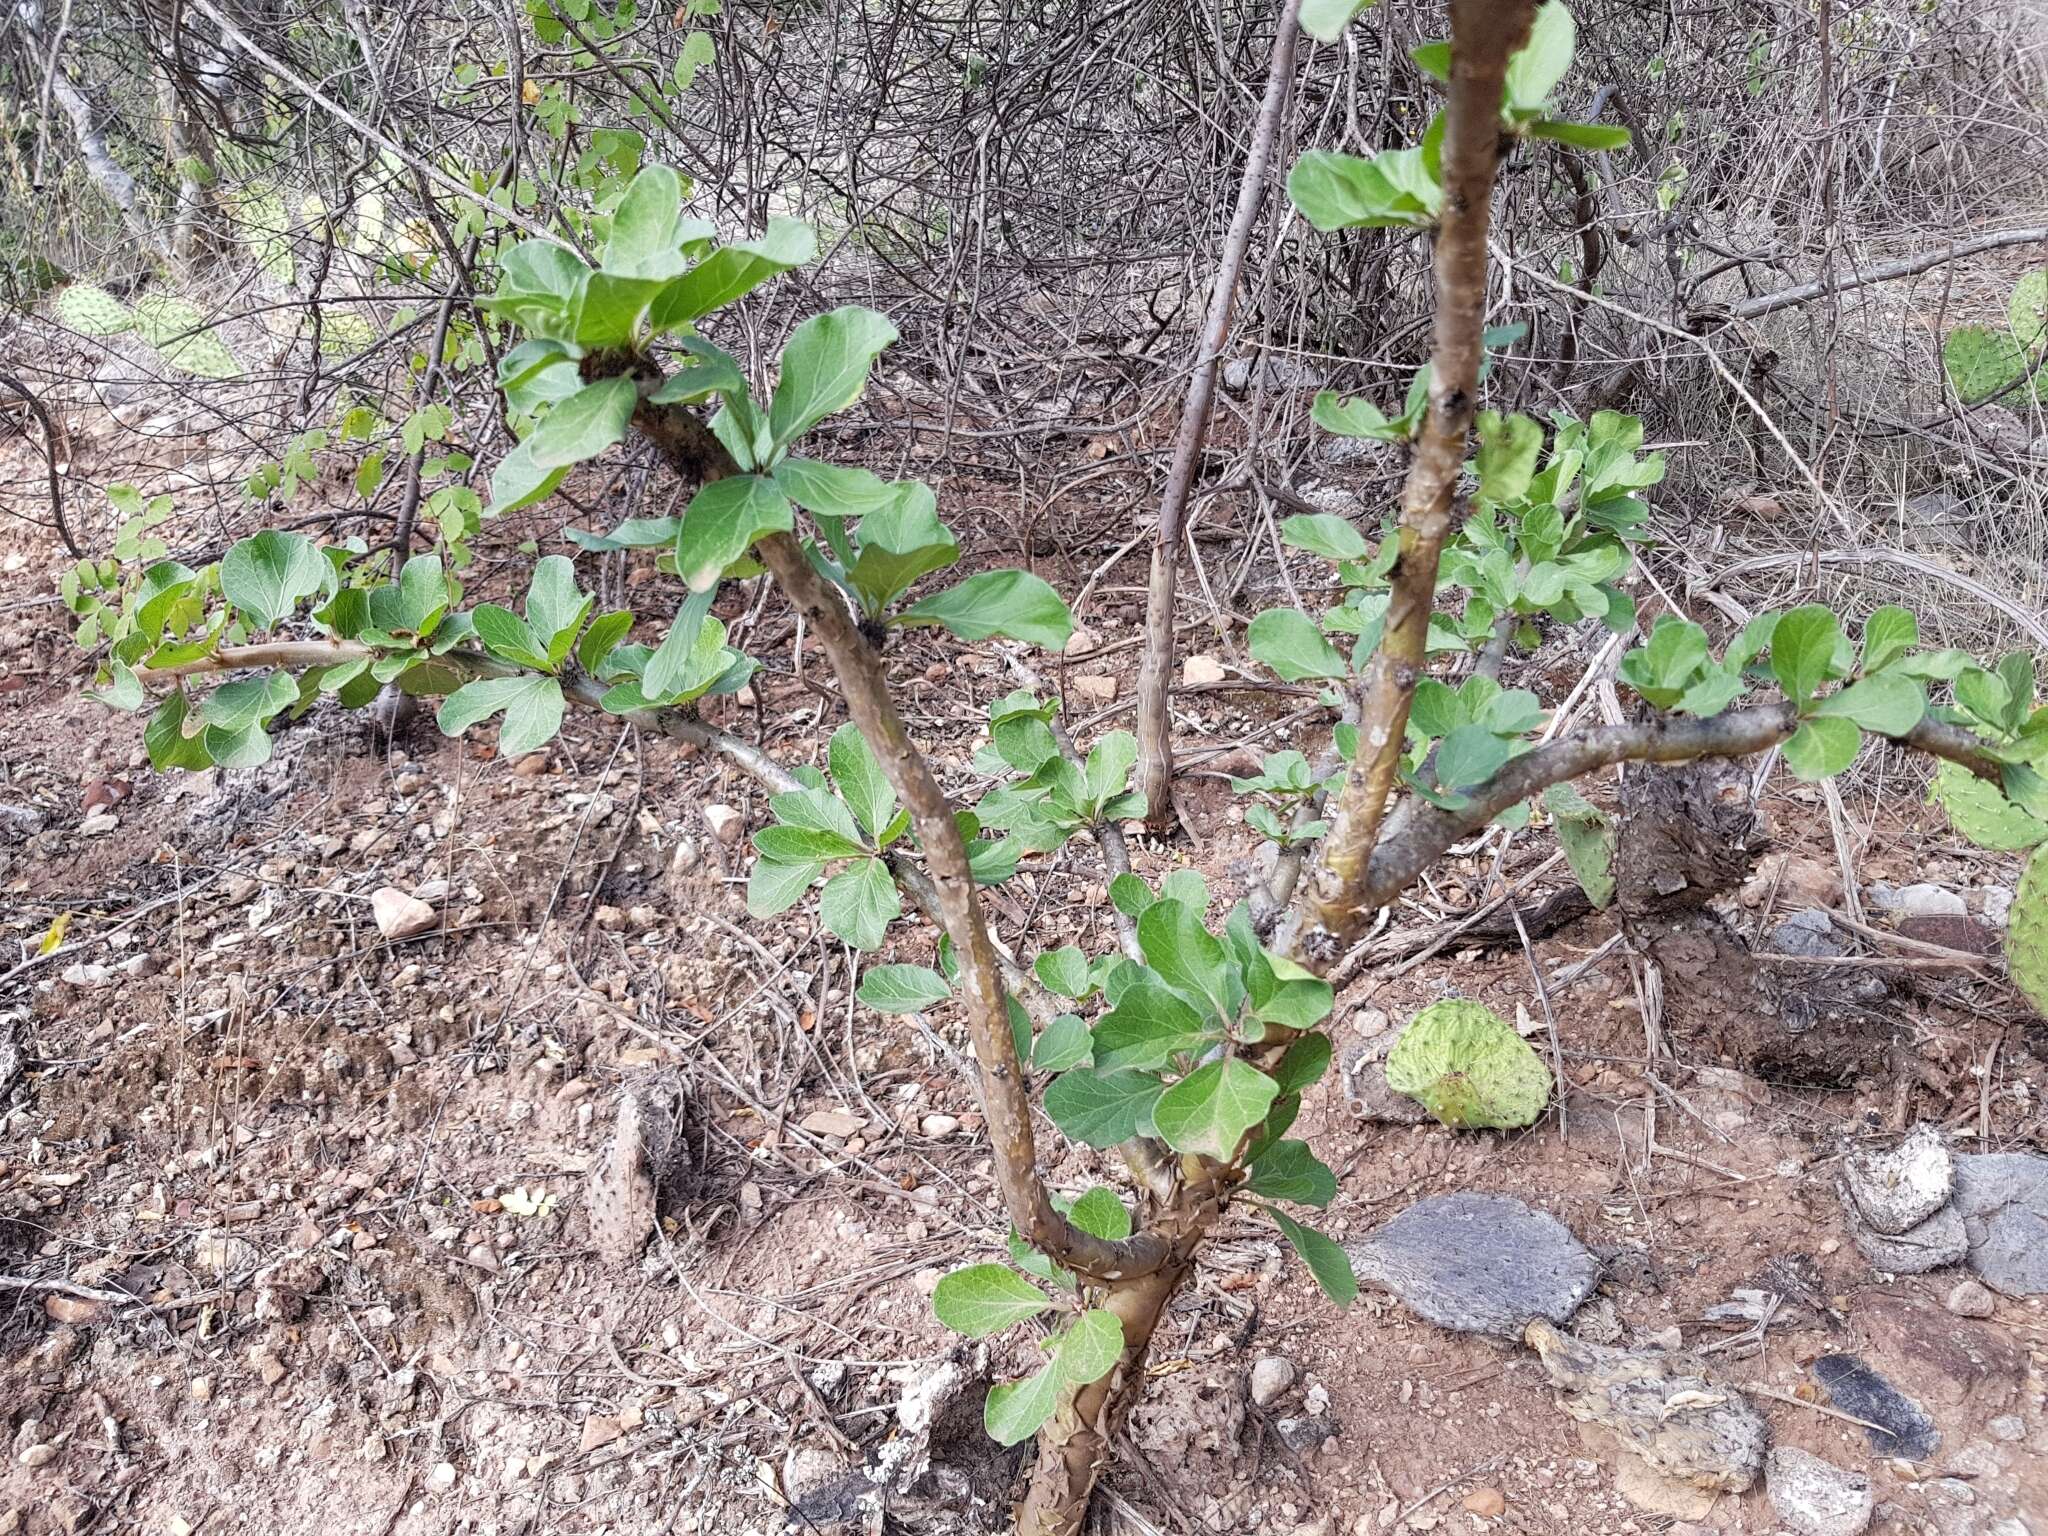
(1302,1435)
(1810,934)
(1817,1498)
(2003,1200)
(1969,1299)
(1271,1378)
(2008,1427)
(1936,1243)
(1897,1190)
(1479,1263)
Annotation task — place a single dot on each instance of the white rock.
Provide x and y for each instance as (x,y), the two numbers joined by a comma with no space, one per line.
(99,823)
(936,1126)
(1271,1377)
(1816,1498)
(1081,641)
(442,1478)
(401,915)
(1201,669)
(725,823)
(1926,900)
(1895,1191)
(1970,1299)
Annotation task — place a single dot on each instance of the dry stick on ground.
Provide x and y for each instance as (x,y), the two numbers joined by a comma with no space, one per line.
(1155,670)
(1331,910)
(1884,272)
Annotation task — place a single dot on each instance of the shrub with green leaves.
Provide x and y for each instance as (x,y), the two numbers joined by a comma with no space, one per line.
(1187,1048)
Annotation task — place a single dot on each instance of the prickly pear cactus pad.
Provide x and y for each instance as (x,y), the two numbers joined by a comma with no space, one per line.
(183,339)
(1981,813)
(2026,935)
(1466,1065)
(1981,361)
(92,311)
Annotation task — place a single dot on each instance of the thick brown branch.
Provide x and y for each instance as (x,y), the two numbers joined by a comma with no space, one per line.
(689,448)
(1423,838)
(1485,33)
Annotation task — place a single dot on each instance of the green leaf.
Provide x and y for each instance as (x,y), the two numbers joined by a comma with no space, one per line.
(1981,813)
(554,606)
(1508,447)
(1288,641)
(1149,1026)
(1014,1411)
(2026,933)
(899,543)
(582,426)
(1064,1044)
(837,490)
(817,809)
(1590,136)
(804,845)
(1322,534)
(1888,634)
(1889,704)
(1012,603)
(506,635)
(413,604)
(1210,1111)
(1325,20)
(1469,756)
(860,902)
(1587,833)
(986,1298)
(1184,953)
(519,482)
(1064,971)
(1466,1065)
(1357,417)
(1325,1260)
(1304,1062)
(1100,1109)
(774,886)
(902,988)
(1822,748)
(733,271)
(648,227)
(1802,647)
(1130,895)
(1089,1349)
(1287,1170)
(246,702)
(1101,1214)
(722,522)
(1540,65)
(1337,191)
(166,740)
(265,575)
(824,368)
(532,707)
(601,639)
(857,775)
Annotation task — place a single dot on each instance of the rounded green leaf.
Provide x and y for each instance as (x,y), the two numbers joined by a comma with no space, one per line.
(860,902)
(825,367)
(92,311)
(1210,1111)
(985,1298)
(265,575)
(1288,641)
(902,988)
(1012,603)
(1889,704)
(1802,646)
(1014,1410)
(1089,1349)
(584,425)
(1466,1065)
(1822,747)
(722,522)
(1100,1213)
(1100,1109)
